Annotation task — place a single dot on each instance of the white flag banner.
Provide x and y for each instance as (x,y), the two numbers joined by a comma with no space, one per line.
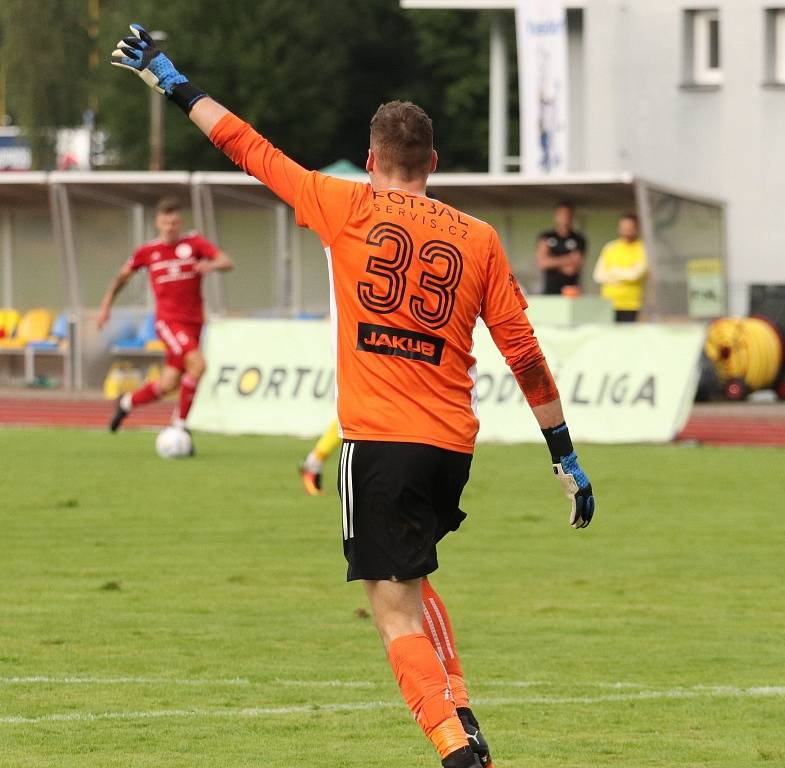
(543,83)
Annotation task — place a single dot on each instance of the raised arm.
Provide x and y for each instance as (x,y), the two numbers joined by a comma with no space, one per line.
(238,140)
(206,114)
(322,203)
(251,151)
(247,148)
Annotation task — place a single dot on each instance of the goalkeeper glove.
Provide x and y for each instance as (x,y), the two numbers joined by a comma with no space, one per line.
(574,482)
(138,53)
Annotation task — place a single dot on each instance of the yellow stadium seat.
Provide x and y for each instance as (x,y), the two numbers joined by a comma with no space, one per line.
(9,319)
(121,377)
(34,326)
(155,345)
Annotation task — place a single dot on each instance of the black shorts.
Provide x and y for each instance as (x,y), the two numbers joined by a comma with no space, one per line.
(398,500)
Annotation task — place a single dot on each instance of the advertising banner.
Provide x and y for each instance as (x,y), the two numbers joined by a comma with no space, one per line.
(543,85)
(705,288)
(619,384)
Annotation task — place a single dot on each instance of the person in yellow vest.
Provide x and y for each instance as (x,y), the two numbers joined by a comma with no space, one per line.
(621,270)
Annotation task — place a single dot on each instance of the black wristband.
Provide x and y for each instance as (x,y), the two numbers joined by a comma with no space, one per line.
(185,95)
(559,442)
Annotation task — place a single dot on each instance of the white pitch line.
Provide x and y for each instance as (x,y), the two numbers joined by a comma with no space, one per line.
(546,684)
(251,712)
(239,681)
(327,683)
(77,680)
(710,692)
(356,684)
(71,717)
(292,683)
(296,683)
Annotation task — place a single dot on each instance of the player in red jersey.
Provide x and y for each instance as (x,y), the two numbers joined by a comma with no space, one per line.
(409,277)
(175,264)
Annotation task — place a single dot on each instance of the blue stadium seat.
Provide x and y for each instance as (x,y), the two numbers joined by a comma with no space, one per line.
(147,329)
(145,333)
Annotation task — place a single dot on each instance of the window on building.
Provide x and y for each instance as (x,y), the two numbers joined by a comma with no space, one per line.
(775,45)
(703,59)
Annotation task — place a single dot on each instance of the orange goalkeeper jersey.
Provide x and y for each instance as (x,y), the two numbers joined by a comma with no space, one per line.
(409,276)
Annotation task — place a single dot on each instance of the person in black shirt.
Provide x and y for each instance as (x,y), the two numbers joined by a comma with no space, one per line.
(560,251)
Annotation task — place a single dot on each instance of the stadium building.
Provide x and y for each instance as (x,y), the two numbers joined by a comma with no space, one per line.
(690,95)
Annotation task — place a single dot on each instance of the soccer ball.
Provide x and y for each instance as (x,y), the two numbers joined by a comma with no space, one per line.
(174,443)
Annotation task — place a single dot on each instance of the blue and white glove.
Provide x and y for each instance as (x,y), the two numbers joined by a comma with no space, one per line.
(572,478)
(138,53)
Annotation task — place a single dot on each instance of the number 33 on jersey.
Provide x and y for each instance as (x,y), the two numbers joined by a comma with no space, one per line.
(409,276)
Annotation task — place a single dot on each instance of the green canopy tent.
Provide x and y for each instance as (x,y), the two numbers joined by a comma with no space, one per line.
(344,168)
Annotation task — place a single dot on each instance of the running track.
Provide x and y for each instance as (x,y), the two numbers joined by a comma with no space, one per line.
(738,424)
(721,429)
(91,414)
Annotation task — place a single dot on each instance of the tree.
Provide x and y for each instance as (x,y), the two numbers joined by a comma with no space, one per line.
(44,51)
(301,72)
(309,75)
(452,84)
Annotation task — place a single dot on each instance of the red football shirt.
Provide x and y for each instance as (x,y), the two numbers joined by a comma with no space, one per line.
(176,283)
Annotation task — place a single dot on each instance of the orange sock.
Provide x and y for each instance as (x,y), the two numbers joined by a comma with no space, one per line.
(426,689)
(437,628)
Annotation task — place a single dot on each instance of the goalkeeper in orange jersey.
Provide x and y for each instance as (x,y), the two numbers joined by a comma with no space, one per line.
(409,276)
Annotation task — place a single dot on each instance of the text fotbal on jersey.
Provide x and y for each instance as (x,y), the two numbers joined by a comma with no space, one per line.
(397,342)
(439,217)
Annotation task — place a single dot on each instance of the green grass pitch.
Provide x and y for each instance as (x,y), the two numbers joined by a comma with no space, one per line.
(195,613)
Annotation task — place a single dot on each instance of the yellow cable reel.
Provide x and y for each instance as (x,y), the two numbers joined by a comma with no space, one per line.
(749,349)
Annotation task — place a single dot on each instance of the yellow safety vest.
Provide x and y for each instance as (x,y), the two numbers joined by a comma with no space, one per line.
(626,294)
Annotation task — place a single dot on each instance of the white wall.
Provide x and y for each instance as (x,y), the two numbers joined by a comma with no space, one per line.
(727,143)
